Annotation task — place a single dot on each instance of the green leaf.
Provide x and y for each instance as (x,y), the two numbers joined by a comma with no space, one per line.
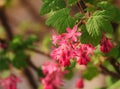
(3,63)
(78,16)
(90,1)
(19,63)
(61,20)
(114,52)
(91,72)
(110,80)
(90,9)
(111,10)
(30,40)
(20,60)
(88,39)
(52,5)
(5,73)
(115,86)
(98,23)
(108,65)
(72,64)
(69,75)
(107,27)
(17,43)
(72,2)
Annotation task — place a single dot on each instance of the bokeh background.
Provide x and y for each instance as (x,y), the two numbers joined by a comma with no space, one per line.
(23,18)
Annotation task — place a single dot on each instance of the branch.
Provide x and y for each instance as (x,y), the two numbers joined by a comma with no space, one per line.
(5,23)
(30,78)
(104,70)
(8,30)
(32,65)
(81,10)
(82,3)
(40,52)
(81,6)
(115,64)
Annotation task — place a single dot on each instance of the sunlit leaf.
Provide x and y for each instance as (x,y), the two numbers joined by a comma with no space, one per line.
(61,20)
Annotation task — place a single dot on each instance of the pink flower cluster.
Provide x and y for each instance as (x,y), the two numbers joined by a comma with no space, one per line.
(9,82)
(67,47)
(53,75)
(106,44)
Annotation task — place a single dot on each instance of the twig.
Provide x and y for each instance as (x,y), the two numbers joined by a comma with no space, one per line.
(5,23)
(115,64)
(8,30)
(40,52)
(82,21)
(30,78)
(81,6)
(32,65)
(81,10)
(104,70)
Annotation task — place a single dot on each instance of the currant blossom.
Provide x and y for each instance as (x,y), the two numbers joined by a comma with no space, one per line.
(68,47)
(72,33)
(88,48)
(62,54)
(83,59)
(83,53)
(9,82)
(106,44)
(80,83)
(53,75)
(55,38)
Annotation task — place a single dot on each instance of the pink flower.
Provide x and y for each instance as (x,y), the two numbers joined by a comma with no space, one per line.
(55,38)
(68,47)
(10,82)
(65,59)
(106,44)
(80,83)
(88,48)
(83,59)
(72,33)
(62,54)
(83,53)
(53,75)
(50,67)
